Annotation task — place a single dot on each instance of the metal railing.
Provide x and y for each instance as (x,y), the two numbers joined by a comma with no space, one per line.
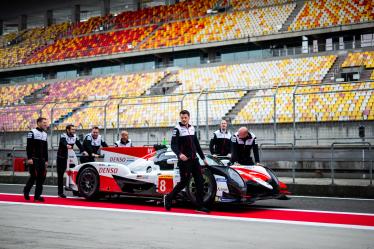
(362,145)
(277,145)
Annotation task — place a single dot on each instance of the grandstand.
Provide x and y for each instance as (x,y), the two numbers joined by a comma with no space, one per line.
(137,68)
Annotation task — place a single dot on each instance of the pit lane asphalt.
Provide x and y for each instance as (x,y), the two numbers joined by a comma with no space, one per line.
(42,226)
(303,203)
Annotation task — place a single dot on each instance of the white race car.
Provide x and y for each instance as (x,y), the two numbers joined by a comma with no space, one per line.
(145,172)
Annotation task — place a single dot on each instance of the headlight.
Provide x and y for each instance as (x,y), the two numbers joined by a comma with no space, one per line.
(234,175)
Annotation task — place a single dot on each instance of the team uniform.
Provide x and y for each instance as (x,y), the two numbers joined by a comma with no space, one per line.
(62,155)
(184,141)
(92,146)
(220,143)
(120,143)
(241,149)
(37,150)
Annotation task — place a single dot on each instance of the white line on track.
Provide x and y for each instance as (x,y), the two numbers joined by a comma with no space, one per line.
(315,224)
(332,198)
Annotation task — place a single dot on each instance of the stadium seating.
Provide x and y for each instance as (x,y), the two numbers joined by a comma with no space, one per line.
(163,13)
(91,88)
(307,70)
(92,45)
(19,118)
(90,115)
(89,26)
(32,41)
(4,39)
(325,13)
(245,4)
(358,59)
(13,94)
(337,102)
(226,26)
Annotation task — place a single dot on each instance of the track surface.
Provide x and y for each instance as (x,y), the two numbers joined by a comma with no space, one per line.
(301,222)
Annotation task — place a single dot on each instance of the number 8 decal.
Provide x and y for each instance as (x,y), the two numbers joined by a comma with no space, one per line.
(165,184)
(162,185)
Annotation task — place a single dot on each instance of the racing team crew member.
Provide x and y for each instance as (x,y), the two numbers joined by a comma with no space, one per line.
(220,143)
(242,143)
(37,159)
(91,144)
(185,145)
(124,141)
(67,141)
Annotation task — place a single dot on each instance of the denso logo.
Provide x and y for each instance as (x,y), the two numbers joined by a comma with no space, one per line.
(108,170)
(117,159)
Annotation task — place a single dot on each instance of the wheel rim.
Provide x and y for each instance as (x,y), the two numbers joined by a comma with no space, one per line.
(207,186)
(88,182)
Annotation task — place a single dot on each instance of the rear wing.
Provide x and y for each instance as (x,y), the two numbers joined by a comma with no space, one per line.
(126,155)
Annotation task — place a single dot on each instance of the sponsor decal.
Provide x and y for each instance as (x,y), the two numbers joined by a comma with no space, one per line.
(118,159)
(108,170)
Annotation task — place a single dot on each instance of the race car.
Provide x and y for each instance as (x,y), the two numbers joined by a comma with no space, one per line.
(151,172)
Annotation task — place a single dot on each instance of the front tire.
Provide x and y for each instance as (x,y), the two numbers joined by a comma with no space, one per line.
(210,189)
(88,183)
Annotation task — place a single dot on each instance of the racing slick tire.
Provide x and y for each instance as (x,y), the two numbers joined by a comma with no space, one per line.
(210,189)
(88,183)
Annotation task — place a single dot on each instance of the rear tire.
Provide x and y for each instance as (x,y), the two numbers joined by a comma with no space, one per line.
(88,183)
(210,189)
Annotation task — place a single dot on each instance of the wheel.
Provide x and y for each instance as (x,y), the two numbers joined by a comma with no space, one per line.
(210,189)
(88,183)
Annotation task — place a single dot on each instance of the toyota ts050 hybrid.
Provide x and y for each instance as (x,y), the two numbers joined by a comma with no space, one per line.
(147,172)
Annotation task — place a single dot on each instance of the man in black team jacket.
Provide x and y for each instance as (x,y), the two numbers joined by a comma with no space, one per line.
(67,141)
(91,144)
(37,159)
(242,143)
(220,144)
(185,145)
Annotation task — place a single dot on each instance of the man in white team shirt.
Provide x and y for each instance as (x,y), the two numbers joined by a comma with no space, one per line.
(91,144)
(124,141)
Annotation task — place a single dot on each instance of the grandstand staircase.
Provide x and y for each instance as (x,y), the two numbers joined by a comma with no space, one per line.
(163,86)
(365,74)
(35,96)
(334,71)
(231,114)
(291,18)
(62,118)
(146,39)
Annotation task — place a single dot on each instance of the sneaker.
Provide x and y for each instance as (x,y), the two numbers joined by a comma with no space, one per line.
(202,210)
(40,199)
(62,196)
(26,195)
(167,203)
